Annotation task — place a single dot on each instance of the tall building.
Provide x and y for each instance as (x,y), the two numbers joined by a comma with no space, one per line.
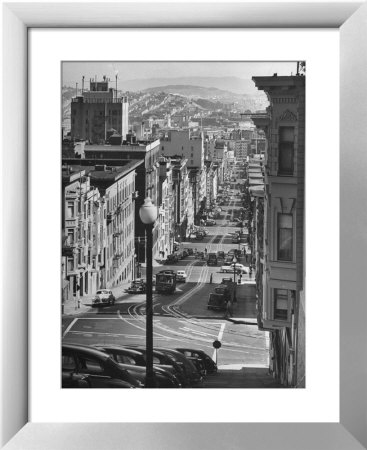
(98,113)
(283,300)
(180,143)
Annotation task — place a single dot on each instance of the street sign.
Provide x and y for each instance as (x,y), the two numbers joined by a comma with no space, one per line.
(217,344)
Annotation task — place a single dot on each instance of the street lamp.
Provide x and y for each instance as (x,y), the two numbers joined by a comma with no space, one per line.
(148,215)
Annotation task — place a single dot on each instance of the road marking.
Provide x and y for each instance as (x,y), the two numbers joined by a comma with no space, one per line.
(69,327)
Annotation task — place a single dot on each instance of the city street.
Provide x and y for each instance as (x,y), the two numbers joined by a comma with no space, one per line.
(182,319)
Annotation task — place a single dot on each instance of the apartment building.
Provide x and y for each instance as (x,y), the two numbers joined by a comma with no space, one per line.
(83,231)
(98,113)
(283,301)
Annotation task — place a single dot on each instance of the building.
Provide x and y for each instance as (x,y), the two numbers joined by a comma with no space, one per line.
(83,231)
(283,300)
(180,190)
(147,179)
(181,143)
(166,216)
(98,113)
(117,188)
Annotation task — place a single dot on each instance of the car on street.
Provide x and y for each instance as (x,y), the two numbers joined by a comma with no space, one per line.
(217,302)
(136,288)
(228,259)
(96,367)
(134,361)
(103,297)
(234,266)
(223,289)
(190,251)
(181,276)
(199,236)
(212,259)
(210,365)
(220,254)
(210,222)
(172,259)
(189,368)
(160,357)
(239,267)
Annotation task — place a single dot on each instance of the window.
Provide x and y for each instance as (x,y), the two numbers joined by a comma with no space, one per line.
(281,304)
(125,359)
(286,151)
(91,365)
(70,264)
(70,236)
(285,237)
(68,363)
(70,210)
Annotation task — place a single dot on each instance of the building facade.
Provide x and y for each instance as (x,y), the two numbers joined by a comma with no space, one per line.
(98,113)
(282,302)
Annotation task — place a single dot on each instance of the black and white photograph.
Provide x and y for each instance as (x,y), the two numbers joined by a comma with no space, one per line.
(183,224)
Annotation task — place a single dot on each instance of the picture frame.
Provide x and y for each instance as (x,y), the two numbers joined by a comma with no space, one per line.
(350,433)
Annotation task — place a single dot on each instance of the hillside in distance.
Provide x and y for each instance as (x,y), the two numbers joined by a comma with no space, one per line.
(232,84)
(196,92)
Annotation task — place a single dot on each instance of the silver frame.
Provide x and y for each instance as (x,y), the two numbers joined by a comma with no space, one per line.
(350,433)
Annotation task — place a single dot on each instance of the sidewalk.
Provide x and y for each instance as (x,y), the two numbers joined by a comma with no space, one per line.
(244,310)
(73,307)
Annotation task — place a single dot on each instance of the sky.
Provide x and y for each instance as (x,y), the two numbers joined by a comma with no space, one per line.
(73,71)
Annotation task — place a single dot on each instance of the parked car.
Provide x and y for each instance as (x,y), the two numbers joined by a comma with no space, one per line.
(190,251)
(238,267)
(128,359)
(223,289)
(103,297)
(210,365)
(160,357)
(136,288)
(200,236)
(94,366)
(227,269)
(217,302)
(181,276)
(212,259)
(171,259)
(189,368)
(220,254)
(210,222)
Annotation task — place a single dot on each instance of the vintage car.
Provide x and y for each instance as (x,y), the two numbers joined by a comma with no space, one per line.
(217,301)
(181,276)
(103,297)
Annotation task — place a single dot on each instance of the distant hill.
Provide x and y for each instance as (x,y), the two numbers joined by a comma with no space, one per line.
(194,91)
(231,84)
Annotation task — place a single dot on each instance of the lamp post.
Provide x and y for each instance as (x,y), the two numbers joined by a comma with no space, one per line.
(148,215)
